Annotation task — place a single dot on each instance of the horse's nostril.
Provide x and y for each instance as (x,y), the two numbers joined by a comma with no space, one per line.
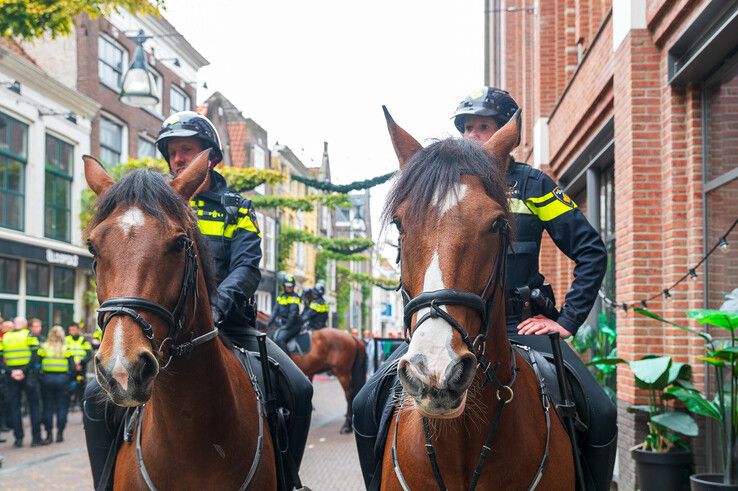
(412,385)
(461,373)
(147,366)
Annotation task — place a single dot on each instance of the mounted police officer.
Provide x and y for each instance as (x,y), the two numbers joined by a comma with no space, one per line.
(315,315)
(228,222)
(286,313)
(537,204)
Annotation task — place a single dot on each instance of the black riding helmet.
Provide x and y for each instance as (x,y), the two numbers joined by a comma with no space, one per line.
(489,102)
(190,124)
(288,280)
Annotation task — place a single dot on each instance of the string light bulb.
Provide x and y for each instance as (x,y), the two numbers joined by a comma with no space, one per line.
(693,274)
(667,295)
(644,304)
(723,244)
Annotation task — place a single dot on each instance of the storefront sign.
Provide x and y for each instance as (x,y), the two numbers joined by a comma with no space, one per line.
(54,257)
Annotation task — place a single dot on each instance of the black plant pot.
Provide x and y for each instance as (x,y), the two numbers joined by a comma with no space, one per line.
(710,482)
(658,471)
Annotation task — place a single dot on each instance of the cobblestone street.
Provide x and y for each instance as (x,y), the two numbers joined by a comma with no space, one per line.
(330,462)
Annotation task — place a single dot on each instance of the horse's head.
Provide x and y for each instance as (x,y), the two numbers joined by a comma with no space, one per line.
(450,206)
(144,240)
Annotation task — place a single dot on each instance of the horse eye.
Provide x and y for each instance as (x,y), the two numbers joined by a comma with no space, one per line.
(179,244)
(91,248)
(398,224)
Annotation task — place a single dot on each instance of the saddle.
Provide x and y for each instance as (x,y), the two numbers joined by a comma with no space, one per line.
(389,389)
(300,344)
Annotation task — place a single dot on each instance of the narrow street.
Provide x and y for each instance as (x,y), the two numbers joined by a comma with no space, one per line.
(330,462)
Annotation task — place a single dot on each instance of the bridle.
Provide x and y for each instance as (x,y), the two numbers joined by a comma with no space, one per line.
(435,299)
(176,318)
(484,307)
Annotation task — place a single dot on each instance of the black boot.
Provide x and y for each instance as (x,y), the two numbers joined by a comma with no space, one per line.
(599,461)
(48,439)
(59,436)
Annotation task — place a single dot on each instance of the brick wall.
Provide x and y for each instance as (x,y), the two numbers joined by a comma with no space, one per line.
(138,121)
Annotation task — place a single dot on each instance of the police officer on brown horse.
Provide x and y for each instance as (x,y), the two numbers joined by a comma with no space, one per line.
(537,204)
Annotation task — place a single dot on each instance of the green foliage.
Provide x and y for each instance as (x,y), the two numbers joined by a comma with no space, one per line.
(303,203)
(366,279)
(321,266)
(343,295)
(30,19)
(342,188)
(600,344)
(288,236)
(659,375)
(241,179)
(366,303)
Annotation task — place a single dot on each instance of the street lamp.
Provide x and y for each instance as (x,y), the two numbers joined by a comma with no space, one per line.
(139,87)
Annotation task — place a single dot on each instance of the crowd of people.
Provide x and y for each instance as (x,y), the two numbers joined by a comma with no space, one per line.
(44,373)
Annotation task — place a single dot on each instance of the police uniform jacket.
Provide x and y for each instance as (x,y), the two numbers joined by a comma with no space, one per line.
(315,315)
(228,222)
(538,204)
(287,310)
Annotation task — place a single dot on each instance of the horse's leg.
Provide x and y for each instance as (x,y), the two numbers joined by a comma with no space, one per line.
(344,378)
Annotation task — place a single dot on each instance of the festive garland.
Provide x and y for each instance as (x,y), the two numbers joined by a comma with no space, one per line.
(241,179)
(348,252)
(288,236)
(302,203)
(384,283)
(343,188)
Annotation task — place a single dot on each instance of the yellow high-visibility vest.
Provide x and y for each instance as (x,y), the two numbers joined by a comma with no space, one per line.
(17,347)
(78,347)
(55,364)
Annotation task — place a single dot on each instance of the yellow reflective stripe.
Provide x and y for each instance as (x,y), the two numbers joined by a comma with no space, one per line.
(319,307)
(540,199)
(287,300)
(214,227)
(552,210)
(198,203)
(518,206)
(246,224)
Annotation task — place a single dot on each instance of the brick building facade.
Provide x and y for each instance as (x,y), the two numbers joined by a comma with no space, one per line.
(632,106)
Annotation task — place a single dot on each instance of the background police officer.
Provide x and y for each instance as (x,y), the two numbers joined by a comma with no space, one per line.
(286,313)
(315,315)
(82,351)
(18,356)
(228,222)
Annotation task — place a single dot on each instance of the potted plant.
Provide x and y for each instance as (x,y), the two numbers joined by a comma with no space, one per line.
(663,460)
(722,406)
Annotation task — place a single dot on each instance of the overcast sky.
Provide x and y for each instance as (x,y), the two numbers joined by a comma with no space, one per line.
(319,70)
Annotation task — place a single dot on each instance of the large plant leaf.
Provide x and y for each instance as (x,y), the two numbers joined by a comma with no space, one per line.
(586,338)
(731,301)
(680,423)
(696,402)
(679,371)
(639,408)
(719,318)
(651,373)
(649,314)
(606,360)
(711,360)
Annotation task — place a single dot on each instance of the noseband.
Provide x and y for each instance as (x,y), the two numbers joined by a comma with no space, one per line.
(176,319)
(435,299)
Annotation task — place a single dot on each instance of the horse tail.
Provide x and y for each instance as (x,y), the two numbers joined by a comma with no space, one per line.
(358,369)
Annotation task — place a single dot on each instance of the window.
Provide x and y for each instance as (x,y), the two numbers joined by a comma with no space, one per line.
(607,231)
(58,195)
(50,293)
(111,142)
(146,148)
(268,230)
(9,275)
(178,100)
(721,182)
(259,162)
(111,62)
(8,308)
(13,158)
(37,279)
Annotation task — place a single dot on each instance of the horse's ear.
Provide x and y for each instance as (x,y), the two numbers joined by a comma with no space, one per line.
(97,177)
(190,179)
(405,145)
(504,140)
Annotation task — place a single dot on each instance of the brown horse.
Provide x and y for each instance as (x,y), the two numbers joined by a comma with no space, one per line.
(202,427)
(471,414)
(341,353)
(336,351)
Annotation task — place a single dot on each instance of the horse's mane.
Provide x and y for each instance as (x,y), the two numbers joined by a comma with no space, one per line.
(150,192)
(432,173)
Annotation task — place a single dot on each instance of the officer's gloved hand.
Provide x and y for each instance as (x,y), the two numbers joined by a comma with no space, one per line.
(217,315)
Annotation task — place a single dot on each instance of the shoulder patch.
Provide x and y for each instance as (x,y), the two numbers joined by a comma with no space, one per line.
(563,197)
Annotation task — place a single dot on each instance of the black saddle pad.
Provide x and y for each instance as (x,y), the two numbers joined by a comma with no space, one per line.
(300,344)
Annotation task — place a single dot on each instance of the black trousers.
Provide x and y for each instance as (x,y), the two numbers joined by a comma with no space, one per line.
(600,441)
(102,418)
(55,394)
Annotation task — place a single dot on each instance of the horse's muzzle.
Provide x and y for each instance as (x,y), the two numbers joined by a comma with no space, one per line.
(437,396)
(128,384)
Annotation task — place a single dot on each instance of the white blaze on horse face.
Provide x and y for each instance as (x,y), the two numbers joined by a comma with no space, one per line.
(131,219)
(433,338)
(118,361)
(452,199)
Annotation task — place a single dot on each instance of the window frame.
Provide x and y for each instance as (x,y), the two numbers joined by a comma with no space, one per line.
(58,174)
(23,161)
(108,148)
(188,101)
(123,63)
